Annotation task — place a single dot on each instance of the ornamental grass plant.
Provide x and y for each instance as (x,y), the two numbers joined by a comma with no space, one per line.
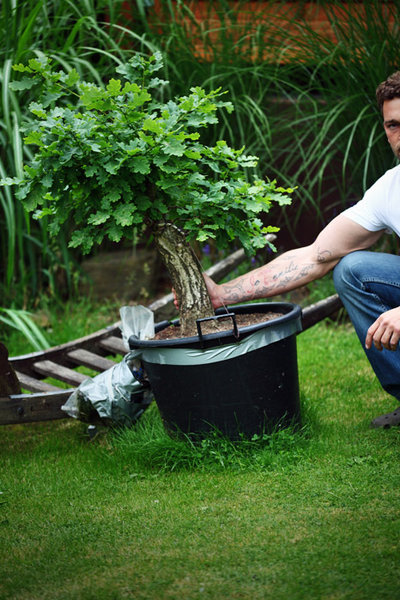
(311,118)
(305,95)
(89,37)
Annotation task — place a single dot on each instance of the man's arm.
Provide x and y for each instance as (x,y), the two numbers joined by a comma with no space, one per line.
(296,267)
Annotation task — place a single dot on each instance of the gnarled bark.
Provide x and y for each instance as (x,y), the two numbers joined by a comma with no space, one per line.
(186,276)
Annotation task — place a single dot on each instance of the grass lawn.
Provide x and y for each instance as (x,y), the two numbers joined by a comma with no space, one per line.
(310,514)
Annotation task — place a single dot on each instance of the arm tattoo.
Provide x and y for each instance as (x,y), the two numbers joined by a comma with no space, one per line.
(323,255)
(254,287)
(286,273)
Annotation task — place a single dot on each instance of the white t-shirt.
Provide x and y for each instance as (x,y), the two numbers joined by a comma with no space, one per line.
(380,207)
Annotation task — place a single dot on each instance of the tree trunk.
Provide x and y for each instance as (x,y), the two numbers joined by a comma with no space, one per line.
(186,276)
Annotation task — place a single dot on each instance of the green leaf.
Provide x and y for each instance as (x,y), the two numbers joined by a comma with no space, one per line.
(38,64)
(81,238)
(156,82)
(34,137)
(160,206)
(197,179)
(153,125)
(72,78)
(6,181)
(139,99)
(95,147)
(114,232)
(37,110)
(112,165)
(92,97)
(47,180)
(44,212)
(24,84)
(21,68)
(91,170)
(99,218)
(202,237)
(142,203)
(193,154)
(171,168)
(114,87)
(281,199)
(31,199)
(140,164)
(161,159)
(123,215)
(173,147)
(113,195)
(130,87)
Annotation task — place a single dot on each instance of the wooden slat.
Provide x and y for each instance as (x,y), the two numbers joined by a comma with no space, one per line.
(90,360)
(114,345)
(58,354)
(35,385)
(48,368)
(320,310)
(26,408)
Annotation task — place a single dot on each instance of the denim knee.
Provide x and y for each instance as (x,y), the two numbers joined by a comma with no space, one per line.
(344,272)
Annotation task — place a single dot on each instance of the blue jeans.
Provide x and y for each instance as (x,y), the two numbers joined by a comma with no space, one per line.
(368,284)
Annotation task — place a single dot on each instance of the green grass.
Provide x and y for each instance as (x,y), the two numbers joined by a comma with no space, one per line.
(311,514)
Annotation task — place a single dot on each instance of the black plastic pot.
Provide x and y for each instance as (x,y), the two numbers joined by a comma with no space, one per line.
(240,382)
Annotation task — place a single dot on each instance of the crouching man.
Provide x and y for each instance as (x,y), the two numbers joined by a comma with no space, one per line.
(368,283)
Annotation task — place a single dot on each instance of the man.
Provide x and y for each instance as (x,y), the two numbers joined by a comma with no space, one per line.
(368,283)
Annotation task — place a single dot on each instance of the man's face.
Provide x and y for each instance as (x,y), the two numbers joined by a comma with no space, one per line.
(391,123)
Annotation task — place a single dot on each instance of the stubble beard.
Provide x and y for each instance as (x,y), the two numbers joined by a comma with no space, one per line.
(396,150)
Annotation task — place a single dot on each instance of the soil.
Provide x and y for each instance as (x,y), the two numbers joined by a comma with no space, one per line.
(173,331)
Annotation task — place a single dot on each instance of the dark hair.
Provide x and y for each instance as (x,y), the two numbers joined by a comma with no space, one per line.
(388,89)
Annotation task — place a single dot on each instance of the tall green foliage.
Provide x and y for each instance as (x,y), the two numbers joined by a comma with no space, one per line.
(87,36)
(309,115)
(305,100)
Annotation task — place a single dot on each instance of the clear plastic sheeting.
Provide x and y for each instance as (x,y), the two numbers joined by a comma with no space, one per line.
(121,394)
(137,321)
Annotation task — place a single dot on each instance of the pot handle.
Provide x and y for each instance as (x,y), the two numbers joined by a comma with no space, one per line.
(216,318)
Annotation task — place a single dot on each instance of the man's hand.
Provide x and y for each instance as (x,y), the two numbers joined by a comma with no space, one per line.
(213,290)
(385,332)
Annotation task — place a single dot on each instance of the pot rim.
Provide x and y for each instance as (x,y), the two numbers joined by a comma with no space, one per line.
(290,312)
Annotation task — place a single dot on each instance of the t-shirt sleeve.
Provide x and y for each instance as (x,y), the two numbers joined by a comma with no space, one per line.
(367,212)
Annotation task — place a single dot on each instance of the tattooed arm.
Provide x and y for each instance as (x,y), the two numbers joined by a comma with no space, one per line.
(296,267)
